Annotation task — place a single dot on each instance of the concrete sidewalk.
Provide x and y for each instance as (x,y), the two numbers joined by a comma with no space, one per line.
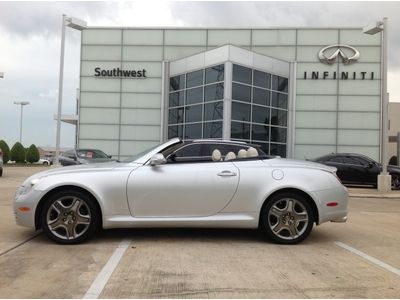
(372,193)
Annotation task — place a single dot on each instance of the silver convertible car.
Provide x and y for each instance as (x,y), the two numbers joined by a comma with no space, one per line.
(202,183)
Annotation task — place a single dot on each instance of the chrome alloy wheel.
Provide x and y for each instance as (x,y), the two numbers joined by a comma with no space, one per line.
(288,218)
(68,217)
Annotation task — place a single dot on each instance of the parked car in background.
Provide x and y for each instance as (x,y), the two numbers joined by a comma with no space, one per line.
(357,169)
(203,183)
(1,163)
(43,161)
(83,156)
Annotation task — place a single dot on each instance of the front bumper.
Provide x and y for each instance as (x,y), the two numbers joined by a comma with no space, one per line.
(22,203)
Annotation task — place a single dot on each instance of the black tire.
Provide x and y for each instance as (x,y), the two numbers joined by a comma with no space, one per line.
(283,225)
(45,163)
(73,210)
(395,182)
(1,172)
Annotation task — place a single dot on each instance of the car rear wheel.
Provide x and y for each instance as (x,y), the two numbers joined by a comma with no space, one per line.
(287,218)
(70,217)
(395,182)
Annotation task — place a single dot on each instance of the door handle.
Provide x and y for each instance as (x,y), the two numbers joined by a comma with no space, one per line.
(226,173)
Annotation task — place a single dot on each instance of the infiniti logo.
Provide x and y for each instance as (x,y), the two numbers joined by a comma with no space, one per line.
(328,54)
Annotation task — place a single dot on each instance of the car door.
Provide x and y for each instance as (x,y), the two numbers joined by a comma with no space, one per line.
(355,172)
(189,187)
(371,170)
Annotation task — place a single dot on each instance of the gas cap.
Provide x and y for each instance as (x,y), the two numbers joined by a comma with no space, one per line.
(277,174)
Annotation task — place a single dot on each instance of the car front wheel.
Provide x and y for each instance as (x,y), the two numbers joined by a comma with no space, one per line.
(287,218)
(70,217)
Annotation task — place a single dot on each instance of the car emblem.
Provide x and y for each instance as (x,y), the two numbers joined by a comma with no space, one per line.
(328,54)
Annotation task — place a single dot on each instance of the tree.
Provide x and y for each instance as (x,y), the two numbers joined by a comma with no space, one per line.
(32,155)
(18,153)
(6,151)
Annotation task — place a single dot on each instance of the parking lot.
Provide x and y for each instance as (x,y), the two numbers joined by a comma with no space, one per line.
(357,259)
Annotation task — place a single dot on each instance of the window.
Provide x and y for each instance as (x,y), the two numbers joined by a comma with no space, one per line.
(213,111)
(194,78)
(261,79)
(214,92)
(241,92)
(177,83)
(351,161)
(212,130)
(176,99)
(336,159)
(215,74)
(240,131)
(241,74)
(259,109)
(279,83)
(240,111)
(194,95)
(261,96)
(195,99)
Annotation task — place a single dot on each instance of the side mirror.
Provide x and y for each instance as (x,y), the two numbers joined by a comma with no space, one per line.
(371,164)
(109,156)
(157,159)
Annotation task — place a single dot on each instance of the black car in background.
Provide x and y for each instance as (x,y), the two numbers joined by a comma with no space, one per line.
(357,169)
(83,156)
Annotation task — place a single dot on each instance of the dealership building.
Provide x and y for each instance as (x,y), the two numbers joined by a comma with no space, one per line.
(296,92)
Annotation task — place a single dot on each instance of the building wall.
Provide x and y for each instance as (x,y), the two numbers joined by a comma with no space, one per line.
(122,116)
(394,121)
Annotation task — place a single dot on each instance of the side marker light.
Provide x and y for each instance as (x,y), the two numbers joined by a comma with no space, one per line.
(24,208)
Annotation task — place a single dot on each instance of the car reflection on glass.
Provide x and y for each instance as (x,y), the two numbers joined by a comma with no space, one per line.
(83,156)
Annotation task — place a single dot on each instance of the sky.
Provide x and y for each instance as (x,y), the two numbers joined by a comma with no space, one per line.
(30,46)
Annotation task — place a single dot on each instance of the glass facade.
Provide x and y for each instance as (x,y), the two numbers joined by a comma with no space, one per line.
(195,108)
(260,109)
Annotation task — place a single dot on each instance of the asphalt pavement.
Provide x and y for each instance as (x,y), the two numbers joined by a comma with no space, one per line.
(357,259)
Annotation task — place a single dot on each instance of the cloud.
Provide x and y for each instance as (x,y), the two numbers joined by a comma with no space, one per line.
(294,14)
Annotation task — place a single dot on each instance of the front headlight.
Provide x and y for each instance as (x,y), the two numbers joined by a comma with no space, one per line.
(26,187)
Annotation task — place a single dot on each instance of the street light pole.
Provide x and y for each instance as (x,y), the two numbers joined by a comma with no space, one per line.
(22,103)
(60,89)
(79,25)
(384,179)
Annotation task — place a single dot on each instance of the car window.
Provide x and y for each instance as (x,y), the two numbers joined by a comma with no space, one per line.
(336,159)
(361,160)
(187,153)
(91,154)
(68,153)
(351,161)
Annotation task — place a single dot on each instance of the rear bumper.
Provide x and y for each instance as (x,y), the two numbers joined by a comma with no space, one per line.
(336,213)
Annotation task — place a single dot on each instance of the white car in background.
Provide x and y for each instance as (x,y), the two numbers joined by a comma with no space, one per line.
(43,161)
(202,183)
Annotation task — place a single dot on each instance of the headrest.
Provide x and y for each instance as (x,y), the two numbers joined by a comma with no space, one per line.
(252,152)
(242,153)
(230,156)
(216,155)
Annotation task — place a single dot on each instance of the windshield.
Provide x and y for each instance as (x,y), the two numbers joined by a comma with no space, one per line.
(135,157)
(91,154)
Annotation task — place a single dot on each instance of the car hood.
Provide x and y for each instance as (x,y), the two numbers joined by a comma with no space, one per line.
(291,163)
(79,169)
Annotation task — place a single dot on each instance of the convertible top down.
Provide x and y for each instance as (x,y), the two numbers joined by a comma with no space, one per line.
(202,183)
